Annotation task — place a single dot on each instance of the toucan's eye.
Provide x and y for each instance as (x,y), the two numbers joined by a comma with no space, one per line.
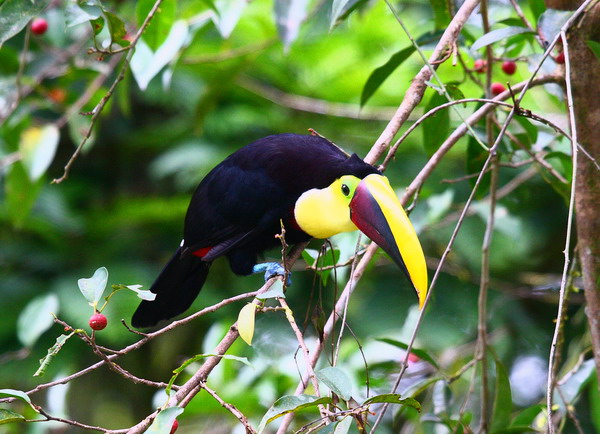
(345,189)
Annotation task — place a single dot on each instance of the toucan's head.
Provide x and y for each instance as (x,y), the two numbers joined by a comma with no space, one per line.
(368,204)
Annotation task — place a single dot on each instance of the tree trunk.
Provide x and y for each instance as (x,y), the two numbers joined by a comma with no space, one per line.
(585,81)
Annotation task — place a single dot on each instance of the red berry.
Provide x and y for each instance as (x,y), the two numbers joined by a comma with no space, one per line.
(98,321)
(498,88)
(509,67)
(39,26)
(560,58)
(412,358)
(175,426)
(57,95)
(480,66)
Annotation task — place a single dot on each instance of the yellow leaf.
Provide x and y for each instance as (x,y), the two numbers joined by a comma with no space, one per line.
(245,322)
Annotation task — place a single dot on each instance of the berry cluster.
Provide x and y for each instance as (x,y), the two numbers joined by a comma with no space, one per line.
(509,67)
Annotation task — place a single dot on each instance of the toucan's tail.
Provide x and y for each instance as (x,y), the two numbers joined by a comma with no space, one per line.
(176,287)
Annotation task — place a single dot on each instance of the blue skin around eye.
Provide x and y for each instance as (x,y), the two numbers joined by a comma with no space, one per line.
(271,269)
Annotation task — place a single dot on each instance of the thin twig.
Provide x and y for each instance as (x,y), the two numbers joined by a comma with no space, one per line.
(231,408)
(563,285)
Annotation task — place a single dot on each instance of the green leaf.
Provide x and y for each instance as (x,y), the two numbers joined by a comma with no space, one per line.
(36,318)
(537,7)
(394,398)
(7,416)
(228,14)
(161,25)
(97,25)
(436,127)
(530,136)
(503,400)
(15,14)
(422,354)
(337,9)
(498,35)
(343,426)
(572,388)
(310,256)
(476,157)
(145,64)
(93,287)
(380,74)
(82,13)
(163,422)
(441,14)
(245,322)
(527,415)
(38,147)
(455,92)
(349,7)
(550,23)
(289,15)
(595,47)
(288,404)
(21,193)
(52,352)
(13,393)
(564,165)
(116,27)
(337,381)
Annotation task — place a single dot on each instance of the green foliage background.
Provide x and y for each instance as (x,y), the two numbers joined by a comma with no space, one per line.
(123,205)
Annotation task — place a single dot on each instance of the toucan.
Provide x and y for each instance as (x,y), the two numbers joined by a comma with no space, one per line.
(303,181)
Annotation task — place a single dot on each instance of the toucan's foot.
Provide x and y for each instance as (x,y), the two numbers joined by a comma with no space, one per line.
(272,269)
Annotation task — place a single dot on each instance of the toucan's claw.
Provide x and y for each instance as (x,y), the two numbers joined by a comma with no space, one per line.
(272,269)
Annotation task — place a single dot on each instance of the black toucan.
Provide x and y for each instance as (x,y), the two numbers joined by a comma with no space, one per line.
(315,188)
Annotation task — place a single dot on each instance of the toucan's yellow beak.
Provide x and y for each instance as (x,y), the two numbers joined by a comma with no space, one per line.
(376,211)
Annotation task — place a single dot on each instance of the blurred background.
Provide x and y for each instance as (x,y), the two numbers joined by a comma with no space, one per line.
(123,204)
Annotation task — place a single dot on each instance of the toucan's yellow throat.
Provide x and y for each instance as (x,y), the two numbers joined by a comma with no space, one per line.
(370,205)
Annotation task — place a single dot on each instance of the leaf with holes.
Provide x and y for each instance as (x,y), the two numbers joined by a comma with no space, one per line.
(52,352)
